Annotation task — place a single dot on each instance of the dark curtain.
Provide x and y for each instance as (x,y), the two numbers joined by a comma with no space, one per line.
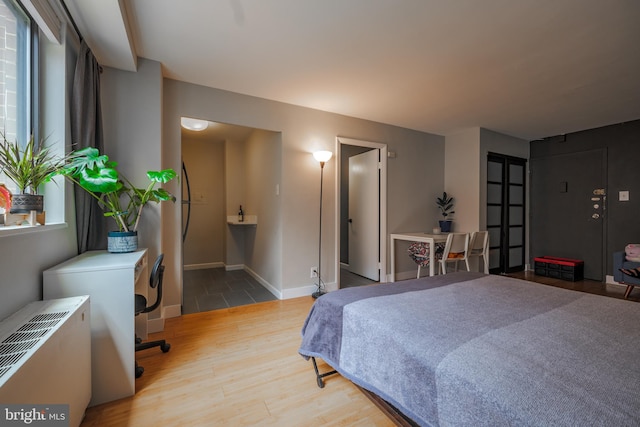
(86,131)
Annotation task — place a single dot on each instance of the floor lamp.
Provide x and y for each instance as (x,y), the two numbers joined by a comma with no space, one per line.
(322,157)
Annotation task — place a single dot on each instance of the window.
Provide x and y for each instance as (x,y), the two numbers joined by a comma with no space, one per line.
(15,72)
(33,103)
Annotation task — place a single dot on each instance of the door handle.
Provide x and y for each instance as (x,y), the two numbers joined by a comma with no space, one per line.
(350,220)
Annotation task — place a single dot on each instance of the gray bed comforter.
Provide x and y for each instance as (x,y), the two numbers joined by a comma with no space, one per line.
(473,349)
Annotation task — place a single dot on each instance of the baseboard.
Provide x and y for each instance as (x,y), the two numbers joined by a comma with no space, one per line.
(264,283)
(155,325)
(405,275)
(171,311)
(611,281)
(203,265)
(307,290)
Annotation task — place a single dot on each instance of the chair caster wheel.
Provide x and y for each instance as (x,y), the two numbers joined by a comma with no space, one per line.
(139,371)
(165,347)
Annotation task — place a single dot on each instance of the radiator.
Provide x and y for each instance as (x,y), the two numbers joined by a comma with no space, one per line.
(45,355)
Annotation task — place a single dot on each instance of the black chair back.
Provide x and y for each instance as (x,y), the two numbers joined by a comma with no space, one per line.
(155,281)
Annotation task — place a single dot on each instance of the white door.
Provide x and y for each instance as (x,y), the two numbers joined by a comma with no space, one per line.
(364,215)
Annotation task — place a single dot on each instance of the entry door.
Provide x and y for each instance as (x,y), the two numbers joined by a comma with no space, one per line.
(364,215)
(568,201)
(506,213)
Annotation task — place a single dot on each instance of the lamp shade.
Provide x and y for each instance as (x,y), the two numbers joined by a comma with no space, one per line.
(322,156)
(194,124)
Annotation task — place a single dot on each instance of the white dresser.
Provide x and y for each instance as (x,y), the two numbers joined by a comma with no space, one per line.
(110,280)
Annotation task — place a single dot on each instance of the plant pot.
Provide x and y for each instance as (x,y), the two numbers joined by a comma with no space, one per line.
(122,241)
(445,226)
(25,203)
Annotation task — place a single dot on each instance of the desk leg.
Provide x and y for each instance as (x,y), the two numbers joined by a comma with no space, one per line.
(393,259)
(432,258)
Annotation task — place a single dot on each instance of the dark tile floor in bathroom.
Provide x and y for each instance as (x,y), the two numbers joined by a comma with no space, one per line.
(349,280)
(215,288)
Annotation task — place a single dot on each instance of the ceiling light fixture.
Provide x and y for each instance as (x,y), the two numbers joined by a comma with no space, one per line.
(194,124)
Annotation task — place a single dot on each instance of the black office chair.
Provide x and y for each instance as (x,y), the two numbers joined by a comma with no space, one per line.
(155,281)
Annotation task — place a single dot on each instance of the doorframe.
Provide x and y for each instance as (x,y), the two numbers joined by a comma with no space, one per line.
(382,203)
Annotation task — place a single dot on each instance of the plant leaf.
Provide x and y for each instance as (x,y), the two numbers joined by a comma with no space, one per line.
(99,180)
(162,176)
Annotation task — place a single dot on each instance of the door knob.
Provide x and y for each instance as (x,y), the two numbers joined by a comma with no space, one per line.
(350,220)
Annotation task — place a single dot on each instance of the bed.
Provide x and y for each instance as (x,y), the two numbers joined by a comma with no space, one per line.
(474,349)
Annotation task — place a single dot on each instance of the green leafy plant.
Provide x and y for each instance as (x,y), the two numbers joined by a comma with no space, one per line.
(139,197)
(29,166)
(445,204)
(116,195)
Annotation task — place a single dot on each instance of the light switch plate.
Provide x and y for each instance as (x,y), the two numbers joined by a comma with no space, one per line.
(623,196)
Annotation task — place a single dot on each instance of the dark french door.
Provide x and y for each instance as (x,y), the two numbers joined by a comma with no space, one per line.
(506,179)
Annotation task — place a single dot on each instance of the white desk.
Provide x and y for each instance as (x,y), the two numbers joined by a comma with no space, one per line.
(111,281)
(431,239)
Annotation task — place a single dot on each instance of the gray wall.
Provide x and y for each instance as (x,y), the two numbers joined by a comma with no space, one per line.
(419,159)
(263,243)
(132,113)
(466,173)
(623,173)
(27,253)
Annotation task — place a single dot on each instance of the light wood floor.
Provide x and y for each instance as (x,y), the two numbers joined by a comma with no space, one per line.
(237,367)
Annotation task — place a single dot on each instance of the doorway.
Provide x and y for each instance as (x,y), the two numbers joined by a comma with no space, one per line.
(506,220)
(224,264)
(362,212)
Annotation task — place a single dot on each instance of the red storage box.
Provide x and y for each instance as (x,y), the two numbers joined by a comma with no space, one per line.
(559,268)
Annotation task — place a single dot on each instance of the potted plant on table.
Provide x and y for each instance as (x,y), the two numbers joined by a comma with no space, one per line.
(115,194)
(445,204)
(28,168)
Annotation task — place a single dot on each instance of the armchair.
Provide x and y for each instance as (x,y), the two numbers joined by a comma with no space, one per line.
(619,261)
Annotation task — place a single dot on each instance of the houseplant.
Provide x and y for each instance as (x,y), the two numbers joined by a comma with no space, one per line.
(115,194)
(28,167)
(445,204)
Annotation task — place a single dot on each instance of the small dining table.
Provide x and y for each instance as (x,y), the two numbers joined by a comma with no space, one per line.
(431,239)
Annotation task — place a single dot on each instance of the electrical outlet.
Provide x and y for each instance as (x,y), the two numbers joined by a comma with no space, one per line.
(314,272)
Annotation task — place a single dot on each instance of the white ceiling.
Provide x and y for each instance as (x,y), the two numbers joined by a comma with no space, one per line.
(527,68)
